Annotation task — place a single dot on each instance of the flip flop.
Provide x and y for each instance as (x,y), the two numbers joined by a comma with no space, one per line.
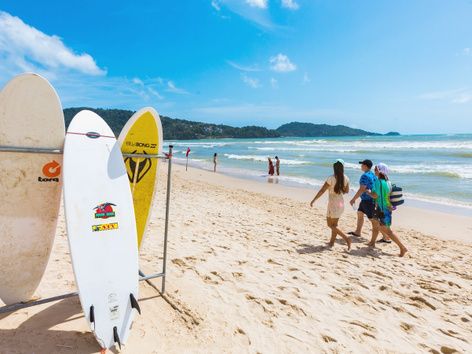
(384,241)
(353,234)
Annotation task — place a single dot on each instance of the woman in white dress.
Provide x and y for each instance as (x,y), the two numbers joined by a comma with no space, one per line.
(337,185)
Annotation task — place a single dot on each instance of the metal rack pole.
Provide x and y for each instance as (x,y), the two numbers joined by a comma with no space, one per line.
(35,150)
(166,225)
(22,305)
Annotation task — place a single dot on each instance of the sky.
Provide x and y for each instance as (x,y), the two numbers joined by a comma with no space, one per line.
(402,65)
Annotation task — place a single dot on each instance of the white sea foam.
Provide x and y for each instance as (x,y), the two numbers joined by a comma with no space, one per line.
(205,145)
(260,158)
(445,170)
(361,146)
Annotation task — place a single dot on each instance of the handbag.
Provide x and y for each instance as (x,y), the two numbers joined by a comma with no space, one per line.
(396,197)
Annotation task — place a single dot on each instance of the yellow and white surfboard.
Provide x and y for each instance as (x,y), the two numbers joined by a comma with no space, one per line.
(142,134)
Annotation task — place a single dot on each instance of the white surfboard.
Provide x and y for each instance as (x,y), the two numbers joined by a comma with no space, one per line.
(101,228)
(30,183)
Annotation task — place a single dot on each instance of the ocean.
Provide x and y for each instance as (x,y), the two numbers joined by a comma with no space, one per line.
(430,168)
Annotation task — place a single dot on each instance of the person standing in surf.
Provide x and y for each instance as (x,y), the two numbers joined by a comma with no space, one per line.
(337,185)
(215,161)
(277,166)
(271,167)
(383,208)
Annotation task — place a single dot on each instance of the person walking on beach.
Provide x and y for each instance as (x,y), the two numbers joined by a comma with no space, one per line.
(215,161)
(277,166)
(383,208)
(337,185)
(367,204)
(271,167)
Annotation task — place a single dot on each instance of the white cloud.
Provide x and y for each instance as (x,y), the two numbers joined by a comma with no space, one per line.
(254,11)
(461,96)
(306,78)
(216,5)
(261,4)
(174,89)
(274,83)
(251,82)
(290,4)
(281,63)
(24,48)
(155,93)
(242,67)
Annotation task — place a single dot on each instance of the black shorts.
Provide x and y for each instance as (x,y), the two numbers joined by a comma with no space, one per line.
(367,207)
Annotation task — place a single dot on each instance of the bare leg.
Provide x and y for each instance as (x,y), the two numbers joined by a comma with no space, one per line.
(375,232)
(385,236)
(345,238)
(360,222)
(395,239)
(333,224)
(330,223)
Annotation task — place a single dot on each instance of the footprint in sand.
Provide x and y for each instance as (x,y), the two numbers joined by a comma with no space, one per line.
(328,339)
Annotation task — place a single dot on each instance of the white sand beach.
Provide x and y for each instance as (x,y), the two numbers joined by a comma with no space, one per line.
(248,272)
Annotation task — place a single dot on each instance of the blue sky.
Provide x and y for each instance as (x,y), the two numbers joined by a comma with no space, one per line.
(377,65)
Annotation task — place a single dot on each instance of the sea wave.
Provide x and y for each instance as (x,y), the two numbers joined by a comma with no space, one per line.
(326,149)
(260,158)
(440,170)
(205,145)
(371,145)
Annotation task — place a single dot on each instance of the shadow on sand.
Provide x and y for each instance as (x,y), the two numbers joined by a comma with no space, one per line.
(312,249)
(37,334)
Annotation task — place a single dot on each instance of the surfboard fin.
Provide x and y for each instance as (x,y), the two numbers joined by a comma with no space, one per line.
(134,303)
(92,315)
(116,337)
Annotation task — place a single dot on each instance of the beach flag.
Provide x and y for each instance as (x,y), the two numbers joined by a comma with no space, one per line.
(186,155)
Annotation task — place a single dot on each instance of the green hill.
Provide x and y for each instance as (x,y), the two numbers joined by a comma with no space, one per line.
(315,130)
(177,129)
(180,129)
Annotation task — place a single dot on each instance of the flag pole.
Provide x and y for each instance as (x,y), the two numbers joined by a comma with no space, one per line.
(186,154)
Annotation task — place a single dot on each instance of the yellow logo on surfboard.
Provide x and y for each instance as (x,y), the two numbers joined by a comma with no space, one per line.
(105,227)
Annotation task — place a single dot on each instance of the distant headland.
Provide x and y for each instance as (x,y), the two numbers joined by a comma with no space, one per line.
(181,129)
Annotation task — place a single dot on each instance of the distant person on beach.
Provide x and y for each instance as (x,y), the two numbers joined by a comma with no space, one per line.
(277,166)
(367,204)
(215,161)
(337,184)
(383,208)
(271,167)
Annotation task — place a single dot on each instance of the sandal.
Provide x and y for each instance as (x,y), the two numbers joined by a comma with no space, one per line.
(352,233)
(384,241)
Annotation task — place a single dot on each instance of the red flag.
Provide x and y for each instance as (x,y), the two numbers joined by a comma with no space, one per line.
(188,152)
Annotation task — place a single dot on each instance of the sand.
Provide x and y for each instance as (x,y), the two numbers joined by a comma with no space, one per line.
(248,272)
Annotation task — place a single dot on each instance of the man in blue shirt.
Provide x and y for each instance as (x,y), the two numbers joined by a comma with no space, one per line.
(367,205)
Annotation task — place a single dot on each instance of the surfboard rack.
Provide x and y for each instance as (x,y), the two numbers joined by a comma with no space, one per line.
(40,150)
(143,277)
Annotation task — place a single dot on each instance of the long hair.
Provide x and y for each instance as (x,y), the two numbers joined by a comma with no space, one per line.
(339,175)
